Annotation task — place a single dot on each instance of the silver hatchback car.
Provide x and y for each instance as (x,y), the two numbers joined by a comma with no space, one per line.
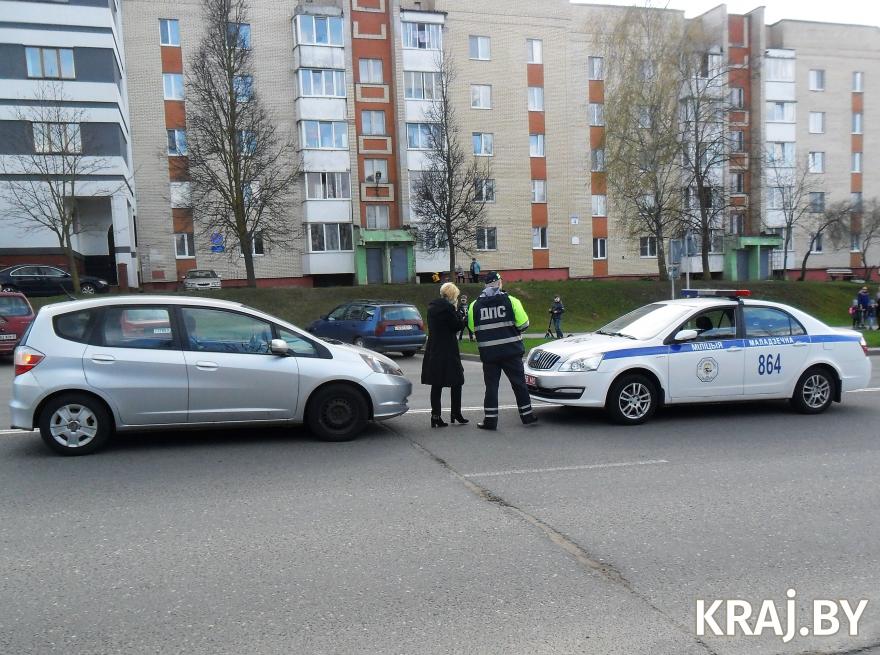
(88,368)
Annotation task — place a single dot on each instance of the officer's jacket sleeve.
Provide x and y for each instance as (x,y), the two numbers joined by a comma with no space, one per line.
(520,318)
(470,316)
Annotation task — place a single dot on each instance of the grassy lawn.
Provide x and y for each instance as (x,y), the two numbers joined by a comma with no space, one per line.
(589,304)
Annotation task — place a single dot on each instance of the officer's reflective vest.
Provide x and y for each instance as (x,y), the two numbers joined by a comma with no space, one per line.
(497,321)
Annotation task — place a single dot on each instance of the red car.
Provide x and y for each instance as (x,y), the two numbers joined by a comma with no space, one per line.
(16,314)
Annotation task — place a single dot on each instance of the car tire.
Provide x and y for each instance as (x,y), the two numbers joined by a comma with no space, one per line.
(814,391)
(88,289)
(632,399)
(337,412)
(94,421)
(408,353)
(359,342)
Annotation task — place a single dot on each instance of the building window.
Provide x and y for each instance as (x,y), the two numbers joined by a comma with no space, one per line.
(484,144)
(817,122)
(536,98)
(737,97)
(855,241)
(539,190)
(371,71)
(597,160)
(373,122)
(855,201)
(737,182)
(484,190)
(326,135)
(51,138)
(858,81)
(857,162)
(716,242)
(257,245)
(377,217)
(330,237)
(184,245)
(238,35)
(816,162)
(328,186)
(781,112)
(736,223)
(247,142)
(536,145)
(737,141)
(320,30)
(479,48)
(817,202)
(481,96)
(779,70)
(645,121)
(816,245)
(419,135)
(857,122)
(322,83)
(647,247)
(600,204)
(781,153)
(539,238)
(419,85)
(535,50)
(176,142)
(600,248)
(597,114)
(817,80)
(487,238)
(422,36)
(50,63)
(375,171)
(243,87)
(597,68)
(173,85)
(169,31)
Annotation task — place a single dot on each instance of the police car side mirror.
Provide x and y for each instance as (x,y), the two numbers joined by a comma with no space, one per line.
(686,335)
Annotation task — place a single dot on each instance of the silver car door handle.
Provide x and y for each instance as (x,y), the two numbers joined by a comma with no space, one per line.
(103,358)
(207,366)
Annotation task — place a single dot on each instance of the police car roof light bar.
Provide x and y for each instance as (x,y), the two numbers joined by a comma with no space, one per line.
(733,294)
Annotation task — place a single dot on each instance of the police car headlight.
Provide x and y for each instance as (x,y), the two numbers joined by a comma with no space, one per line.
(579,364)
(381,366)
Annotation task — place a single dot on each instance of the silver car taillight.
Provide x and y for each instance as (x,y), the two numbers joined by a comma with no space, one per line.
(26,358)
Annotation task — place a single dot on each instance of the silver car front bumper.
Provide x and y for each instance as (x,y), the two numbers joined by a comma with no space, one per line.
(389,394)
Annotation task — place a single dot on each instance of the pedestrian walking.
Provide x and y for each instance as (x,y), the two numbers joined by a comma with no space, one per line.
(441,365)
(459,274)
(499,320)
(462,314)
(854,313)
(864,302)
(557,309)
(475,270)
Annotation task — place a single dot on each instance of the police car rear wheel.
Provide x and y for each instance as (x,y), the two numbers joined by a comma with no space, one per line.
(632,400)
(814,391)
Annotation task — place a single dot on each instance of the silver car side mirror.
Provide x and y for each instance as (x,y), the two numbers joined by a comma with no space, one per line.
(686,335)
(279,347)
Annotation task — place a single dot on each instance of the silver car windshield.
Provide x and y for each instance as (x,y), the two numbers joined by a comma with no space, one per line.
(645,322)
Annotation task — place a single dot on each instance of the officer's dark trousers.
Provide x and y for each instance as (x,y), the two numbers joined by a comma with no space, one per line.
(513,369)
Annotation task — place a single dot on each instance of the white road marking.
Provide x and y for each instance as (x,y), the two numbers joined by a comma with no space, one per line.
(555,469)
(867,390)
(15,431)
(480,409)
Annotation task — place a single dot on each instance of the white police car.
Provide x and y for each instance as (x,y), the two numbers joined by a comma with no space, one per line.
(710,346)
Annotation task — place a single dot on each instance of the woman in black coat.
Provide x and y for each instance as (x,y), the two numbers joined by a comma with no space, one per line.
(441,366)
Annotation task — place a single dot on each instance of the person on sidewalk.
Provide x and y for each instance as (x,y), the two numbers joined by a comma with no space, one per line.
(864,305)
(475,270)
(462,314)
(499,320)
(459,274)
(441,365)
(557,309)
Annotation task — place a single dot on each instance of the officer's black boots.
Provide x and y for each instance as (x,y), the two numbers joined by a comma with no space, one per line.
(488,424)
(529,419)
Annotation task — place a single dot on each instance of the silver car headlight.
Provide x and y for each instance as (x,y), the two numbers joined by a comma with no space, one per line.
(381,366)
(580,364)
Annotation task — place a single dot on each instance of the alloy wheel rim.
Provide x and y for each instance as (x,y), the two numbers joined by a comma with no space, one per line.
(87,290)
(634,400)
(816,391)
(73,426)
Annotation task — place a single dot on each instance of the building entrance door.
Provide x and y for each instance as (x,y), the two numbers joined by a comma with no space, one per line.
(375,265)
(399,265)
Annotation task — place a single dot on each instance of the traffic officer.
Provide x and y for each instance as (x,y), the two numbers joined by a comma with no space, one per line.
(499,320)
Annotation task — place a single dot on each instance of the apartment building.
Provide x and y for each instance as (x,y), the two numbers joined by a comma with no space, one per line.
(63,96)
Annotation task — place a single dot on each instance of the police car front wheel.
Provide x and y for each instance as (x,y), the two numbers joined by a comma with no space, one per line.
(814,392)
(632,399)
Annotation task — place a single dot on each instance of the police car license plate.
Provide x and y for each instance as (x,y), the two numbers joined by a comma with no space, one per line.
(8,337)
(403,327)
(531,380)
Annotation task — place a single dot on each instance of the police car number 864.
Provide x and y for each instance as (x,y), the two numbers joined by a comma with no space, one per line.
(709,346)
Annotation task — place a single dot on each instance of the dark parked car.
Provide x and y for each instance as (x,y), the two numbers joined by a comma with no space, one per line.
(41,280)
(380,325)
(16,314)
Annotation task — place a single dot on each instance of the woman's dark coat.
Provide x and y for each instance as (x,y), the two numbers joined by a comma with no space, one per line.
(442,362)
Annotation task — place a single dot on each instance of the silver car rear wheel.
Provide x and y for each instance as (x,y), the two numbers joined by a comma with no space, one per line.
(74,424)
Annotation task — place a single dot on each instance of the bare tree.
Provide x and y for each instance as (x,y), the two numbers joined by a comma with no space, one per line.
(51,164)
(449,195)
(643,127)
(819,224)
(241,168)
(861,229)
(789,185)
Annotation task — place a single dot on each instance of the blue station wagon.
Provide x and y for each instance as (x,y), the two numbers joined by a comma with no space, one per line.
(379,325)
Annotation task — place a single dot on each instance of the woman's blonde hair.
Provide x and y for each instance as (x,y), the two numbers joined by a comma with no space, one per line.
(450,292)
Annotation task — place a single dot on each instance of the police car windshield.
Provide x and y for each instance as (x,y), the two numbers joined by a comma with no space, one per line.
(645,322)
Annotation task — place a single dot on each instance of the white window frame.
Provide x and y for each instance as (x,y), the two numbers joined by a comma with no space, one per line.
(539,191)
(179,136)
(486,235)
(370,168)
(737,182)
(539,238)
(535,51)
(817,79)
(308,36)
(817,247)
(313,83)
(858,81)
(243,33)
(817,122)
(816,161)
(423,131)
(369,120)
(599,204)
(597,114)
(737,97)
(858,123)
(483,47)
(484,144)
(484,190)
(785,149)
(737,143)
(173,35)
(648,247)
(857,162)
(781,112)
(600,248)
(536,145)
(597,160)
(326,232)
(172,86)
(57,138)
(377,216)
(243,86)
(187,240)
(481,96)
(816,201)
(327,180)
(427,80)
(433,36)
(596,66)
(371,71)
(536,98)
(337,128)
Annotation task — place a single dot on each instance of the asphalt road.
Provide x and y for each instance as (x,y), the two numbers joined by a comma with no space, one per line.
(570,537)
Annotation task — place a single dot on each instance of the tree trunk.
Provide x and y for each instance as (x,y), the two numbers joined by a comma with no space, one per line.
(704,256)
(661,261)
(451,247)
(247,250)
(803,275)
(71,263)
